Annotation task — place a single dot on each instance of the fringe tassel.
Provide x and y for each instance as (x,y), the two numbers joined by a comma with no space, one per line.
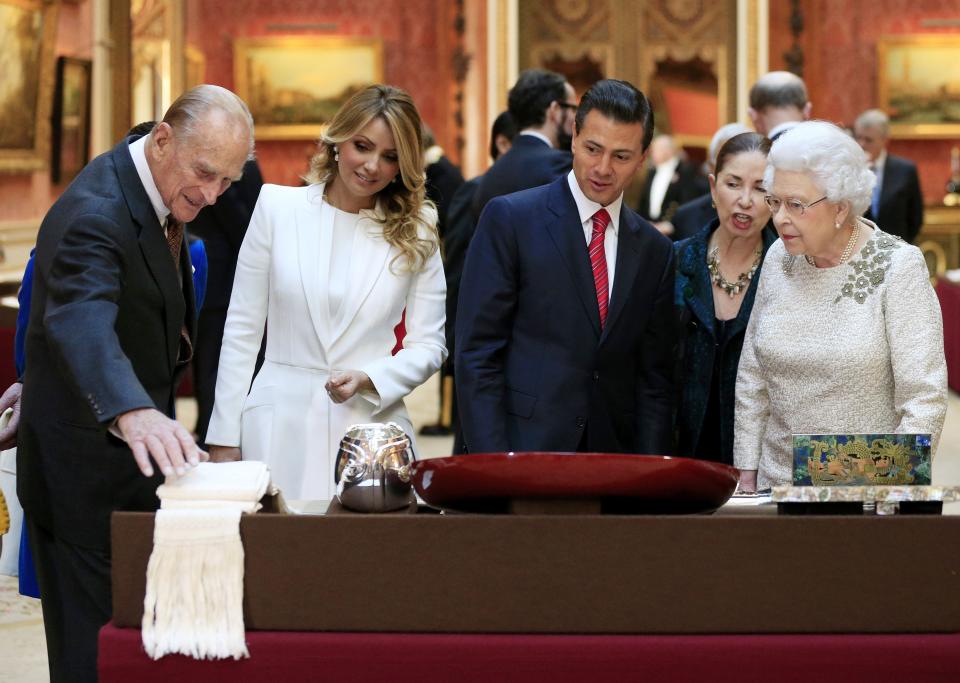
(194,598)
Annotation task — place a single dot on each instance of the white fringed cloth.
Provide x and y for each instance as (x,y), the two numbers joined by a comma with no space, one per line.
(194,598)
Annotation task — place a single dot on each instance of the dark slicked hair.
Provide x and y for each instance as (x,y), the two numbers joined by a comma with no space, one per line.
(532,94)
(738,144)
(502,125)
(620,101)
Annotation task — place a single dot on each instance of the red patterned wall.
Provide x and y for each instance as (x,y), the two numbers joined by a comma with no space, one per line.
(840,47)
(416,52)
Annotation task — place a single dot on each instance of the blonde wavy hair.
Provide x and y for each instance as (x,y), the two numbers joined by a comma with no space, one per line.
(406,225)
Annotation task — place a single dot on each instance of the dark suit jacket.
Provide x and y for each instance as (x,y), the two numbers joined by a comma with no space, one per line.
(901,201)
(460,228)
(530,162)
(685,185)
(442,178)
(222,228)
(105,319)
(533,367)
(702,351)
(692,217)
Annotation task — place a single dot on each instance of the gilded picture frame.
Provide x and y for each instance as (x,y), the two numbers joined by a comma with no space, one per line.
(918,85)
(28,33)
(294,84)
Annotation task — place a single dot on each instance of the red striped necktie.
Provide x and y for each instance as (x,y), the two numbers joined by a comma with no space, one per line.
(598,261)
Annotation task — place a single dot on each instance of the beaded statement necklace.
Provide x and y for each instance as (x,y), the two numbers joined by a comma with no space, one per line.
(740,284)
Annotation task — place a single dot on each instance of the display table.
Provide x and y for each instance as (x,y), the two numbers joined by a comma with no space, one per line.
(290,657)
(949,295)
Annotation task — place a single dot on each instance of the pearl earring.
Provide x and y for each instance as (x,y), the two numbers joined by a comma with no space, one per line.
(336,154)
(836,225)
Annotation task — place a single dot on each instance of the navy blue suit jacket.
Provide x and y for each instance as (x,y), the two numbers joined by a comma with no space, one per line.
(533,367)
(530,162)
(901,201)
(106,312)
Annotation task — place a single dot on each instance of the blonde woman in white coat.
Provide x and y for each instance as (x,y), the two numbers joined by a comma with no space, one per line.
(331,268)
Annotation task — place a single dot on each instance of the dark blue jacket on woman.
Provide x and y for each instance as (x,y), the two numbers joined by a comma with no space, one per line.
(700,347)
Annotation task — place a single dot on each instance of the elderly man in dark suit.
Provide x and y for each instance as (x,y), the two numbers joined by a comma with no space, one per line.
(542,105)
(112,324)
(897,204)
(565,327)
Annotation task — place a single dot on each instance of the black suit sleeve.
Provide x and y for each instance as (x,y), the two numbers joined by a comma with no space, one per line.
(914,206)
(486,309)
(656,393)
(84,283)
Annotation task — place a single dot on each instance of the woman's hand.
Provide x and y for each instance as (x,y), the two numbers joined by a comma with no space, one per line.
(748,480)
(344,384)
(224,453)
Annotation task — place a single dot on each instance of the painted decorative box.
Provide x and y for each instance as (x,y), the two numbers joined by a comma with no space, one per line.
(861,459)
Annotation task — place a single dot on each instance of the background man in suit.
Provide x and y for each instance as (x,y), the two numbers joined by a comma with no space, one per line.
(897,204)
(670,182)
(542,105)
(222,228)
(692,216)
(778,102)
(565,327)
(456,239)
(111,326)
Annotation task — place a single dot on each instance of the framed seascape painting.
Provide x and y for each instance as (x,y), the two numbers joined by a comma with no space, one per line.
(71,119)
(28,31)
(919,85)
(294,85)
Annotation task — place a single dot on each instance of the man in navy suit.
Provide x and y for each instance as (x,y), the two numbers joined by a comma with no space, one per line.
(897,203)
(542,105)
(565,328)
(112,323)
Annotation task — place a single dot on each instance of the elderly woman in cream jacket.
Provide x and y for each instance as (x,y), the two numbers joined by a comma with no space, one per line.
(846,335)
(332,268)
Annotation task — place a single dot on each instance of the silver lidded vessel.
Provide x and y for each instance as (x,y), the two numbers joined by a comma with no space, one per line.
(372,470)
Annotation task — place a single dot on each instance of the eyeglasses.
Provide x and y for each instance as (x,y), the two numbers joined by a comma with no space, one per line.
(794,207)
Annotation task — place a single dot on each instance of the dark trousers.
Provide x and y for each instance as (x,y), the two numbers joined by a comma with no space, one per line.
(75,595)
(206,359)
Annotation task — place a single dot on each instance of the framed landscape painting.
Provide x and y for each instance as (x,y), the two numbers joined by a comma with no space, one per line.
(919,85)
(71,119)
(295,84)
(28,32)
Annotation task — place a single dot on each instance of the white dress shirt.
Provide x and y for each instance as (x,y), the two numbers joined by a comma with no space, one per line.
(139,155)
(586,208)
(661,183)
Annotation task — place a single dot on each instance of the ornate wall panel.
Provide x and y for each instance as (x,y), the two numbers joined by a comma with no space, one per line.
(680,52)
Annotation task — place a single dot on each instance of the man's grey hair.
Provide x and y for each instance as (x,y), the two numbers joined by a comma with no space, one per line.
(778,89)
(829,157)
(721,136)
(193,106)
(874,118)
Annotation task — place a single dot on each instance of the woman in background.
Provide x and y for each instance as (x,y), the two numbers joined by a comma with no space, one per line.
(717,273)
(846,335)
(331,268)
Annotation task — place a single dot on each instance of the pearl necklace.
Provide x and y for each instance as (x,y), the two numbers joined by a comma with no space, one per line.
(731,288)
(847,250)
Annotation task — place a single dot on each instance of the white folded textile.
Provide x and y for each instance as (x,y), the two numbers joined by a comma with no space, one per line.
(194,599)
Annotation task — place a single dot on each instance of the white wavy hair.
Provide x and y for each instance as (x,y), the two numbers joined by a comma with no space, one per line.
(832,159)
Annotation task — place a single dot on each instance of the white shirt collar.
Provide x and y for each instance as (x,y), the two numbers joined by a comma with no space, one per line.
(535,134)
(668,166)
(139,155)
(879,161)
(587,207)
(781,128)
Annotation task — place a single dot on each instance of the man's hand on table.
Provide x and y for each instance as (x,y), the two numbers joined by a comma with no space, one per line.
(151,434)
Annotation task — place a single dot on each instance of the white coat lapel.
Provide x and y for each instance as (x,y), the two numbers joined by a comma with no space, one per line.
(314,241)
(368,263)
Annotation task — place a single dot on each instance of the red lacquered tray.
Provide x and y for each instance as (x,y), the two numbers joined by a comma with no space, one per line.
(489,482)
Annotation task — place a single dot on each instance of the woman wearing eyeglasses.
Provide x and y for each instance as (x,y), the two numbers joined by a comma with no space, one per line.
(846,335)
(717,271)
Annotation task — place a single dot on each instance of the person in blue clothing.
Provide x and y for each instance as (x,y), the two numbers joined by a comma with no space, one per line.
(717,274)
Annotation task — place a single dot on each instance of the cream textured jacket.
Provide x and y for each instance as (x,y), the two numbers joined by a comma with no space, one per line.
(854,349)
(287,420)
